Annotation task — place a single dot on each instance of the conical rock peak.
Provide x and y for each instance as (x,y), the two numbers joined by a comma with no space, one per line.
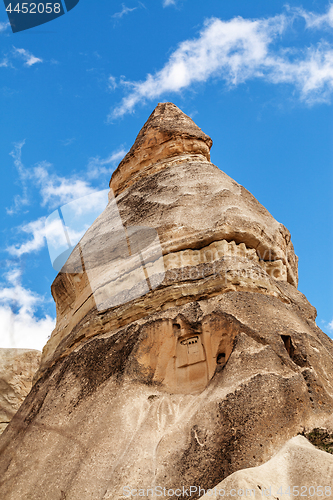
(167,133)
(183,351)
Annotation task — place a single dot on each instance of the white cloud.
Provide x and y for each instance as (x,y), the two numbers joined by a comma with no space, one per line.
(25,299)
(51,230)
(56,190)
(24,330)
(19,200)
(166,3)
(59,190)
(327,326)
(112,83)
(17,155)
(313,20)
(68,142)
(236,51)
(80,212)
(98,166)
(20,327)
(125,10)
(4,26)
(4,63)
(29,58)
(37,230)
(313,75)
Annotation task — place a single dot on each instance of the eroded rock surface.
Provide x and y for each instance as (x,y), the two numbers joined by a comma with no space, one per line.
(168,133)
(213,234)
(183,350)
(298,468)
(17,368)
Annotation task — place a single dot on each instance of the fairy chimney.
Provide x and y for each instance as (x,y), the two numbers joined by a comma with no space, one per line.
(183,351)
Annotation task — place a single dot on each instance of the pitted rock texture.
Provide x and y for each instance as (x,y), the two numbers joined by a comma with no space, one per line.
(130,407)
(298,468)
(322,439)
(210,369)
(17,368)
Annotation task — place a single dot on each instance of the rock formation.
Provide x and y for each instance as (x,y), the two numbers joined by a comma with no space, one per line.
(183,351)
(297,469)
(17,368)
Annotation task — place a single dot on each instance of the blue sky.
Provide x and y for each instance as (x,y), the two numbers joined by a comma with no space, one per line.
(256,76)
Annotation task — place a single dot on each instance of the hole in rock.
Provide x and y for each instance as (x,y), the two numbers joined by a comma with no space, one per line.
(190,341)
(287,344)
(221,359)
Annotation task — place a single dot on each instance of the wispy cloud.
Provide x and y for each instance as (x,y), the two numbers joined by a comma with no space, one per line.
(125,10)
(56,190)
(37,230)
(68,142)
(327,326)
(112,83)
(17,156)
(19,200)
(29,58)
(78,215)
(20,326)
(41,231)
(99,166)
(238,50)
(314,20)
(166,3)
(4,27)
(24,55)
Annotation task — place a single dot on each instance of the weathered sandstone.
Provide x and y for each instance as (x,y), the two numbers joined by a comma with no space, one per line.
(168,133)
(298,468)
(183,351)
(17,368)
(196,210)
